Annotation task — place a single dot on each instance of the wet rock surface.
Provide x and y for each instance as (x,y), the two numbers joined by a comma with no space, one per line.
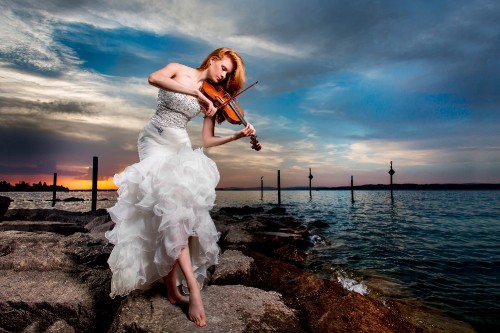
(55,278)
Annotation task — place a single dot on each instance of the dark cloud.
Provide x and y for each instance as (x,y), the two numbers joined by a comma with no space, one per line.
(55,106)
(25,142)
(41,167)
(455,41)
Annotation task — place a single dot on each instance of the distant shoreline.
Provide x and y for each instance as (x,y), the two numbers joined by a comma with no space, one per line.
(368,187)
(374,187)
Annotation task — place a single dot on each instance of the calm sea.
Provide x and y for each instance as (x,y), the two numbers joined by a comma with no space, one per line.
(441,248)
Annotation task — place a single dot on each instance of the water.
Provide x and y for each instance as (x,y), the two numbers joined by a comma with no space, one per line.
(438,247)
(43,200)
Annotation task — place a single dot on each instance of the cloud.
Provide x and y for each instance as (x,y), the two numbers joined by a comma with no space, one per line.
(340,82)
(27,41)
(321,37)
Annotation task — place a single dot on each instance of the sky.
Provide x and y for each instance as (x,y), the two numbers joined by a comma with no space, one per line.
(345,87)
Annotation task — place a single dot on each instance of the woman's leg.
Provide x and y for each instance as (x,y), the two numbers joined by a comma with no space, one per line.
(173,294)
(196,309)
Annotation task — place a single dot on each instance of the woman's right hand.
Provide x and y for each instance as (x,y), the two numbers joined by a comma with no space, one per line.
(208,107)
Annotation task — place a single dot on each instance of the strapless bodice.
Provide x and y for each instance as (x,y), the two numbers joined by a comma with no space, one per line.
(174,109)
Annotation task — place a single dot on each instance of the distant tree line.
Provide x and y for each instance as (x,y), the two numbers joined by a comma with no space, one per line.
(26,187)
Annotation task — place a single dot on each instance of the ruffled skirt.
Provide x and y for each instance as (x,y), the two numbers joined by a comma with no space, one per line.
(163,206)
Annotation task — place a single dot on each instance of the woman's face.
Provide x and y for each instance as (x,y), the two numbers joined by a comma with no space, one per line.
(220,68)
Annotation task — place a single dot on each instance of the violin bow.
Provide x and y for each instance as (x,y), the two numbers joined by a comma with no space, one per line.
(229,100)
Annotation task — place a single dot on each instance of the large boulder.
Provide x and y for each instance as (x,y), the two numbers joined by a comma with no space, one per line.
(234,268)
(52,282)
(352,312)
(232,308)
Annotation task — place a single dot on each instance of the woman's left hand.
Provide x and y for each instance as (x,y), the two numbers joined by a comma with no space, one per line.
(247,131)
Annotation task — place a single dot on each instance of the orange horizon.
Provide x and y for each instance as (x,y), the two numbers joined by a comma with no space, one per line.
(65,181)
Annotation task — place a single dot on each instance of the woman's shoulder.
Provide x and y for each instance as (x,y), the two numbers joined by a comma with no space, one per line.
(178,67)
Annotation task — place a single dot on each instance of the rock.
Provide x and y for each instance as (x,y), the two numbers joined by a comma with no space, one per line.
(245,210)
(319,224)
(277,211)
(97,221)
(99,231)
(99,225)
(62,228)
(234,268)
(4,205)
(296,285)
(80,218)
(72,199)
(237,235)
(60,326)
(48,277)
(431,320)
(233,308)
(333,312)
(291,253)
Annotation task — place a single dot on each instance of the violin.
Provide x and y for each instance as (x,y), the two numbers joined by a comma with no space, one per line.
(226,103)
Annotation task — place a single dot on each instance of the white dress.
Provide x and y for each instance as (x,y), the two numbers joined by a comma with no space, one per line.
(163,200)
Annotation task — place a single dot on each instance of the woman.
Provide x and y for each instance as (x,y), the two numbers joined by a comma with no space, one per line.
(162,212)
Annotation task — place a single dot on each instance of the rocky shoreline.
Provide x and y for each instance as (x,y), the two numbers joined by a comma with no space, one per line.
(55,278)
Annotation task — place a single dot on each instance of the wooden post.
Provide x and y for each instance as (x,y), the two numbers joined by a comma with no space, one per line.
(261,188)
(54,190)
(279,188)
(310,183)
(95,163)
(391,172)
(352,189)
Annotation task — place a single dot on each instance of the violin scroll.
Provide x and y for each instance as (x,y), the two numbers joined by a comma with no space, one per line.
(255,144)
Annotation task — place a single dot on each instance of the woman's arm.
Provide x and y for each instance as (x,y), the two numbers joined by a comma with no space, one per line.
(180,78)
(164,79)
(211,140)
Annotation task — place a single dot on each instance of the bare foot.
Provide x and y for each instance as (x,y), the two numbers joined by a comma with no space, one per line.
(196,309)
(174,296)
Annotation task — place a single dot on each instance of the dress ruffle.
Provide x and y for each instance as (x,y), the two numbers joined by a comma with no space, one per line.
(163,200)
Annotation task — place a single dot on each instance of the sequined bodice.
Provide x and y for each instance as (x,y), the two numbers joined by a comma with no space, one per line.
(174,109)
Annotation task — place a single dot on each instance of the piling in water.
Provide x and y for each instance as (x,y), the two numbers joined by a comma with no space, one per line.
(262,188)
(352,189)
(279,188)
(95,163)
(391,172)
(54,189)
(310,183)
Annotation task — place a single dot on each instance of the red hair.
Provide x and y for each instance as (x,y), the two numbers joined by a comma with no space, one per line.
(235,81)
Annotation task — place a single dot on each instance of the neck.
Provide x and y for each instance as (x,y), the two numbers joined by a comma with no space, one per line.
(202,75)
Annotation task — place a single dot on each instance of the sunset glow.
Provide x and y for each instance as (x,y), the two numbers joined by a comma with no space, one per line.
(65,181)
